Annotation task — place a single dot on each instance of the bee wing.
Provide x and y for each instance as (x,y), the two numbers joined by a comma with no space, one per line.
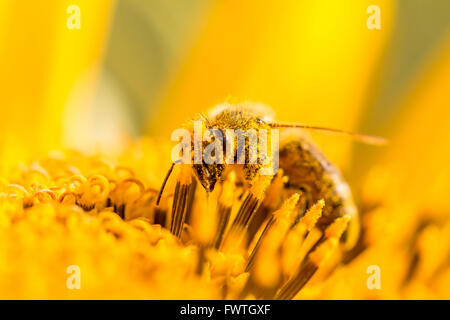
(263,111)
(368,139)
(257,109)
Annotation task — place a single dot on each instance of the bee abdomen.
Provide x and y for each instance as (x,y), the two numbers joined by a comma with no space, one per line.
(316,178)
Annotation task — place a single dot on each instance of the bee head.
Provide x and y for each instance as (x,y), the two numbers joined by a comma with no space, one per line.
(208,174)
(211,166)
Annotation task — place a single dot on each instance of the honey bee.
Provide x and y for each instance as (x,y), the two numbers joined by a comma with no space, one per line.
(307,169)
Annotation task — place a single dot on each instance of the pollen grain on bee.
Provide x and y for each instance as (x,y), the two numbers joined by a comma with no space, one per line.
(234,146)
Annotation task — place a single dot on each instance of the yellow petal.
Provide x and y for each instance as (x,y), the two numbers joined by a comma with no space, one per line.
(43,63)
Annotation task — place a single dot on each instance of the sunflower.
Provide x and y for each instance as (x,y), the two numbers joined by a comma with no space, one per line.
(70,209)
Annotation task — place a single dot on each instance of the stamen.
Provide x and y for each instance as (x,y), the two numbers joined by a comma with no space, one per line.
(251,203)
(269,204)
(180,199)
(315,259)
(224,208)
(264,263)
(295,247)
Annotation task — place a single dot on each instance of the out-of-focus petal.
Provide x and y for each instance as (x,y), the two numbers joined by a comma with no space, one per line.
(41,62)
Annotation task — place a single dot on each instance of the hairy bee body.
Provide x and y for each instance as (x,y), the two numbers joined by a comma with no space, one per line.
(308,170)
(234,118)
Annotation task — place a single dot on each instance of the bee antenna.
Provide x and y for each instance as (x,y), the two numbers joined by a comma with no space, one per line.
(374,140)
(164,183)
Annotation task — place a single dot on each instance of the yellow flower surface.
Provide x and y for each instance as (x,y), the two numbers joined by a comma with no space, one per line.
(98,213)
(69,209)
